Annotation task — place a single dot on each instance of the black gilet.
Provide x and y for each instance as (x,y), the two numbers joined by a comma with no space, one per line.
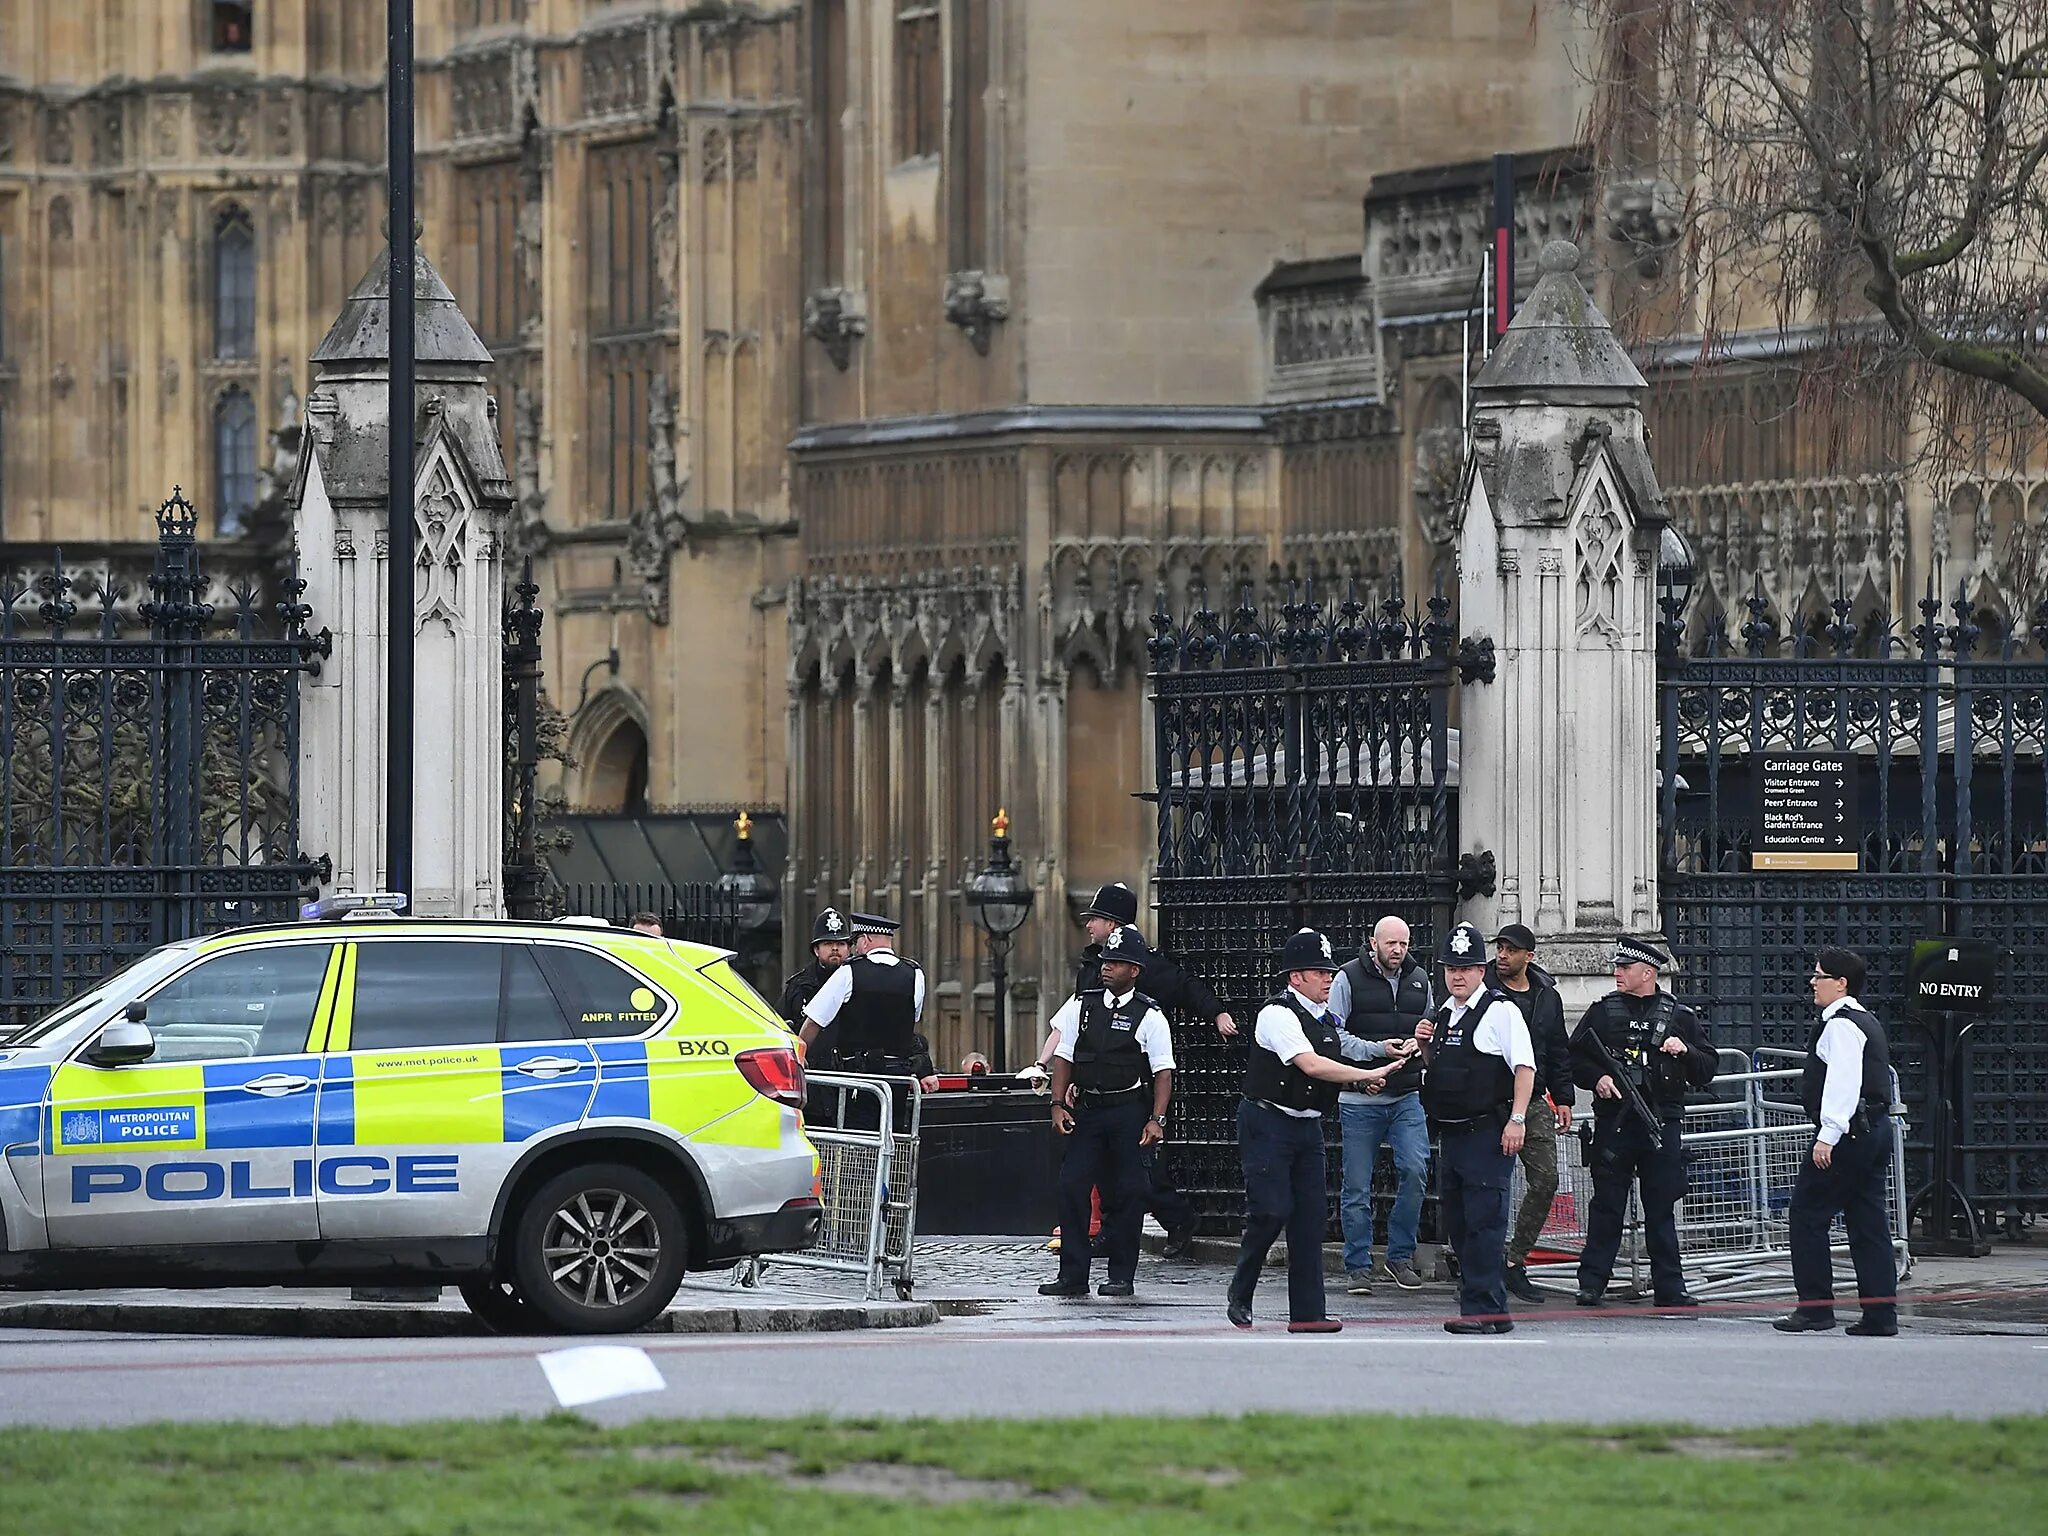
(1269,1079)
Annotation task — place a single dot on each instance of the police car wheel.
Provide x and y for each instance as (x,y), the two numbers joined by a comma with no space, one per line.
(599,1249)
(499,1306)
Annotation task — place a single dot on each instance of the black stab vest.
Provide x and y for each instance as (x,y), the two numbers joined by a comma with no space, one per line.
(1876,1096)
(880,1016)
(1463,1082)
(1273,1081)
(1107,1056)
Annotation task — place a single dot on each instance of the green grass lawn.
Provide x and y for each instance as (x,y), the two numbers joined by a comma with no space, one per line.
(1443,1477)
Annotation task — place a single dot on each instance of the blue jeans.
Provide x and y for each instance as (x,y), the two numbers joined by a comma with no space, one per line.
(1367,1125)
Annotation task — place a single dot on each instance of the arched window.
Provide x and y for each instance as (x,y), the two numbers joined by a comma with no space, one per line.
(234,285)
(234,463)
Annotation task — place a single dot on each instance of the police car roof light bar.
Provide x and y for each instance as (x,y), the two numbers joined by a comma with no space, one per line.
(344,903)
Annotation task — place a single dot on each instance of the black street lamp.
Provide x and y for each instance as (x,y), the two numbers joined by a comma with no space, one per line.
(750,893)
(1677,574)
(1001,901)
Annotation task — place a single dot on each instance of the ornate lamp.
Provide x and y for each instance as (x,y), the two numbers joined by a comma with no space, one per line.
(751,893)
(1001,901)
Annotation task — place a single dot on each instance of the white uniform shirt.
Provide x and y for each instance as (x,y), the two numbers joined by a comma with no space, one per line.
(1501,1031)
(824,1008)
(1841,1047)
(1280,1032)
(1152,1035)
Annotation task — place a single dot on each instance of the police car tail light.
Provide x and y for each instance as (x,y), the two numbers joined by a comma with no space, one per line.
(774,1073)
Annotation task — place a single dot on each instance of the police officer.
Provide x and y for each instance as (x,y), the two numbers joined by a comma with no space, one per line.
(1662,1047)
(1116,1055)
(1847,1091)
(1516,975)
(1480,1073)
(1291,1080)
(831,946)
(871,1006)
(1176,989)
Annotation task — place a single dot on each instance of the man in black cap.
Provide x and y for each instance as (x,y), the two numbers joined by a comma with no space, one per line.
(1291,1080)
(1175,989)
(1847,1091)
(871,1006)
(1480,1073)
(1662,1048)
(831,947)
(1114,1061)
(1516,975)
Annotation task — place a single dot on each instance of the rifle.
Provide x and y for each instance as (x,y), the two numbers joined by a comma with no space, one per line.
(1631,1096)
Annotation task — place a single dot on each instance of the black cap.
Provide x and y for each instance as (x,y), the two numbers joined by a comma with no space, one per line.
(1115,901)
(1463,945)
(1516,936)
(869,922)
(1127,944)
(1632,950)
(831,927)
(1306,950)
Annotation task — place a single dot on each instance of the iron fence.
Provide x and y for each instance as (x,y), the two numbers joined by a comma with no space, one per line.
(149,765)
(1947,750)
(1302,777)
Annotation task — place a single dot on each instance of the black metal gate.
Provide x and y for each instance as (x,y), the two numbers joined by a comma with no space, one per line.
(149,780)
(1302,778)
(1947,749)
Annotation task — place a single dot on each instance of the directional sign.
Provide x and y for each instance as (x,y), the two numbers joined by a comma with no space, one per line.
(1805,813)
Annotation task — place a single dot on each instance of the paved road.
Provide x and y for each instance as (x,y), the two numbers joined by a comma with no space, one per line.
(1098,1356)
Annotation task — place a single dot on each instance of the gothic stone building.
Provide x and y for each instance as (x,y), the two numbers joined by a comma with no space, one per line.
(861,367)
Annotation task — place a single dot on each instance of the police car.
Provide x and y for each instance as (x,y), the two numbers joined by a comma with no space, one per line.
(560,1120)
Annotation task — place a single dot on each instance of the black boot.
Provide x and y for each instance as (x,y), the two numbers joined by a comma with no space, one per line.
(1521,1287)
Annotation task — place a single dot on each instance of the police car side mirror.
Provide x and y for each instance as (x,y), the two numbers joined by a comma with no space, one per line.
(122,1044)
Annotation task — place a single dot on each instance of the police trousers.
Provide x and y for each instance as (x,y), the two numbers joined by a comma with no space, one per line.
(1474,1181)
(1285,1190)
(1622,1155)
(1852,1186)
(1102,1152)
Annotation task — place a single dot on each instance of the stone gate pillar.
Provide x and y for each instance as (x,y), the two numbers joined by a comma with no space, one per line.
(1557,535)
(340,508)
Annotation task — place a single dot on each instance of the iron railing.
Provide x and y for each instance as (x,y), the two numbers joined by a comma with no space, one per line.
(149,765)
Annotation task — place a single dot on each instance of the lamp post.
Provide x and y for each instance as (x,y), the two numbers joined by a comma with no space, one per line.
(1677,572)
(750,893)
(1001,901)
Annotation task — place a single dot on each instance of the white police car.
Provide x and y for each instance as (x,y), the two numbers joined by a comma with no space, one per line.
(560,1120)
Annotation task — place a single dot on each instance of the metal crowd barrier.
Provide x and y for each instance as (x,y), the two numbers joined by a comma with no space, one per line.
(866,1131)
(1743,1148)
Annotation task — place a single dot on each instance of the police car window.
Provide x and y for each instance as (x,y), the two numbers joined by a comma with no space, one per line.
(531,1012)
(425,992)
(248,1002)
(602,997)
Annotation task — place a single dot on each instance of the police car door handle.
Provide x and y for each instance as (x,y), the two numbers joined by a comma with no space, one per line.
(548,1066)
(276,1085)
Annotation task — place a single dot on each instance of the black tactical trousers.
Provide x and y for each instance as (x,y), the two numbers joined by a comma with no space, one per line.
(1622,1155)
(1102,1152)
(1853,1186)
(1285,1190)
(1473,1186)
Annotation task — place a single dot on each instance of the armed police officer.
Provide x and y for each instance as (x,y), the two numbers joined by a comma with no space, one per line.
(868,1009)
(1640,1051)
(1176,989)
(831,947)
(1291,1080)
(1847,1091)
(1481,1071)
(1112,1078)
(1516,975)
